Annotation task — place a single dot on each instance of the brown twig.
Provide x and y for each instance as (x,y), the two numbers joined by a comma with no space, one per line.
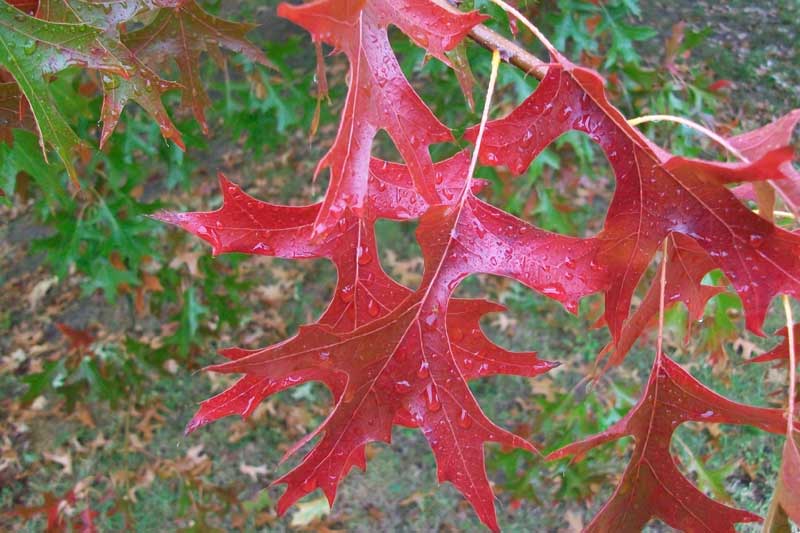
(510,52)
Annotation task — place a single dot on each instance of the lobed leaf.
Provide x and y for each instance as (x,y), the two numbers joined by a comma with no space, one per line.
(181,32)
(652,485)
(31,49)
(408,363)
(379,95)
(395,356)
(656,194)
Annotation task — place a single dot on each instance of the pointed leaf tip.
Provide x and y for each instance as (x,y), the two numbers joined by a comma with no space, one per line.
(167,217)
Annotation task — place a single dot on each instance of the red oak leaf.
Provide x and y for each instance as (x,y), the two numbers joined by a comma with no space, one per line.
(755,144)
(28,6)
(780,352)
(656,194)
(789,496)
(14,112)
(687,264)
(379,96)
(410,365)
(79,340)
(652,485)
(52,508)
(364,292)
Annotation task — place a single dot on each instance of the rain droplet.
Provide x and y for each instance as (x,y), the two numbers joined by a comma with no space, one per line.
(347,293)
(424,371)
(30,47)
(553,290)
(430,320)
(110,82)
(464,420)
(372,308)
(432,399)
(402,387)
(262,247)
(325,359)
(756,240)
(364,256)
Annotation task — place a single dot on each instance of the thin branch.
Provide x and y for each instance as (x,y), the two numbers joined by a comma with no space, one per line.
(510,52)
(484,119)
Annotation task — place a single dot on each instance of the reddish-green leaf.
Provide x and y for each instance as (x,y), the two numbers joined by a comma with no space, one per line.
(14,111)
(181,34)
(31,49)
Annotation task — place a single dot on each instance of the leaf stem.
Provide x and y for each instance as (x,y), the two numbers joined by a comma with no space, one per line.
(690,124)
(787,308)
(511,52)
(484,119)
(715,137)
(661,302)
(784,214)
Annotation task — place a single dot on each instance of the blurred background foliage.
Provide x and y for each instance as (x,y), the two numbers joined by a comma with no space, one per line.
(106,314)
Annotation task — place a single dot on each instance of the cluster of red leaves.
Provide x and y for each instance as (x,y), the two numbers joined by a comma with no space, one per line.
(395,356)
